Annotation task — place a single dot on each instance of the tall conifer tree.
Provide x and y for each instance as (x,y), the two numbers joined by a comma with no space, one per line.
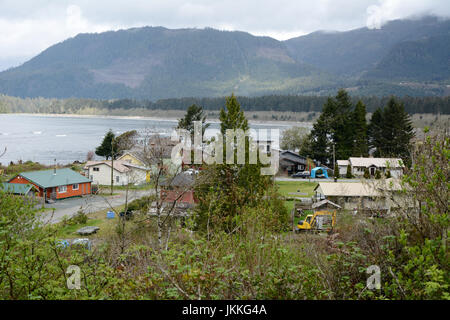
(235,184)
(343,134)
(359,124)
(375,131)
(391,131)
(106,149)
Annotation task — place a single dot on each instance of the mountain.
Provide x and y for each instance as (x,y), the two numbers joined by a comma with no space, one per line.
(430,57)
(156,63)
(353,53)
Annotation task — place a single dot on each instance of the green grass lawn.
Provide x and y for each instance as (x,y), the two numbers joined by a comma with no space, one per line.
(286,187)
(97,219)
(70,231)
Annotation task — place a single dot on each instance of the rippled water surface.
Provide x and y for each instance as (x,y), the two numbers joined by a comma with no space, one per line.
(44,138)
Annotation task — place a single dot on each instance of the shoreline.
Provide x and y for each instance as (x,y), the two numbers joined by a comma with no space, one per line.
(286,123)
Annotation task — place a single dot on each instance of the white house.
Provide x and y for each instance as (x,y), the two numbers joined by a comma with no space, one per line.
(359,164)
(124,172)
(342,165)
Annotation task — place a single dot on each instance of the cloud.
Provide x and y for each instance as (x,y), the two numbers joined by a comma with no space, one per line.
(28,27)
(387,10)
(26,36)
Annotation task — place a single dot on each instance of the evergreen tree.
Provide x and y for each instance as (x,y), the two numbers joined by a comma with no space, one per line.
(398,131)
(377,174)
(359,124)
(336,171)
(349,172)
(233,117)
(366,173)
(319,140)
(375,132)
(343,134)
(334,126)
(193,113)
(105,149)
(236,185)
(391,131)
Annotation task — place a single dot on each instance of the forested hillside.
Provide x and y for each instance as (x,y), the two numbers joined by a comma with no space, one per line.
(263,103)
(430,56)
(158,63)
(352,53)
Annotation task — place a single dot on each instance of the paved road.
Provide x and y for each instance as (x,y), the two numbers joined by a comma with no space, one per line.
(313,180)
(89,204)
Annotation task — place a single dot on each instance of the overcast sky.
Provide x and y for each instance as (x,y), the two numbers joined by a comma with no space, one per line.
(29,26)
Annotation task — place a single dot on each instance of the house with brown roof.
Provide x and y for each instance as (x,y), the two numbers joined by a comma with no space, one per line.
(179,188)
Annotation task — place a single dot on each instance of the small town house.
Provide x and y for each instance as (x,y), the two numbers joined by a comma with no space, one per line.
(55,184)
(124,172)
(359,165)
(377,195)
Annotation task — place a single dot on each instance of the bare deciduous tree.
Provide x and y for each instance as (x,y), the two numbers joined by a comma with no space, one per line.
(90,155)
(169,183)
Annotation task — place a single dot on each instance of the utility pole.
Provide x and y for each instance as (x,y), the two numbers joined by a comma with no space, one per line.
(334,164)
(112,166)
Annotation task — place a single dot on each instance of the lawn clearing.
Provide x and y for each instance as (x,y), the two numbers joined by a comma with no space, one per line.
(97,219)
(286,187)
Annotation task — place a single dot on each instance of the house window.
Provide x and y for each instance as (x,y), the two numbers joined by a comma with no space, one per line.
(62,189)
(117,179)
(92,177)
(75,187)
(96,169)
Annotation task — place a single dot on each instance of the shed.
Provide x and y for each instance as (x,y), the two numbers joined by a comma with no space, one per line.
(26,190)
(325,204)
(179,188)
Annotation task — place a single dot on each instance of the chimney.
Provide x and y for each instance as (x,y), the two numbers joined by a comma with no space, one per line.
(54,168)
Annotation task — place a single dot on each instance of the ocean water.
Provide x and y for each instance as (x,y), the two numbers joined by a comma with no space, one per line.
(43,138)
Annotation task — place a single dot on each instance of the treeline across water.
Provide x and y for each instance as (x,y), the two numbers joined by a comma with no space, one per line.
(290,103)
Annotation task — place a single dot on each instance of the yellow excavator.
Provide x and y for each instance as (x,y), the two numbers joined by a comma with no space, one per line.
(320,221)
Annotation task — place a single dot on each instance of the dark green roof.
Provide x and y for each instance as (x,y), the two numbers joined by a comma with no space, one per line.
(47,178)
(16,188)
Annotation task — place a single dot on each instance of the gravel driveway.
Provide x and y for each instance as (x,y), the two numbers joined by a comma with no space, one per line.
(89,204)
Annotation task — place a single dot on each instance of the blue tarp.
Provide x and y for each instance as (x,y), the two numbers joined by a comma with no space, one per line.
(324,172)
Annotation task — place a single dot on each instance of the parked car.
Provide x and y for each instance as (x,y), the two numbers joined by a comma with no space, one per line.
(302,174)
(127,215)
(191,171)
